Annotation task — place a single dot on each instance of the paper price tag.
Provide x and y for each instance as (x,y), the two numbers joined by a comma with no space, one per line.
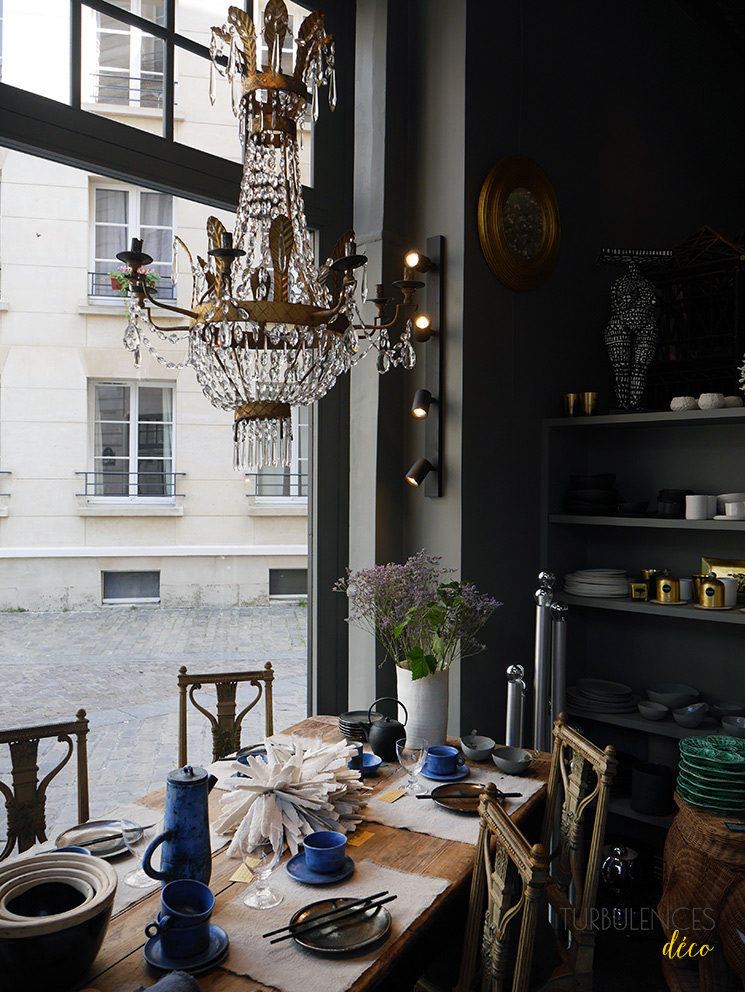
(242,873)
(392,795)
(359,837)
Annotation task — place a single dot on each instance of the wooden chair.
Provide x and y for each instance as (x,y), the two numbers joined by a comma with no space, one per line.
(579,783)
(509,878)
(226,726)
(26,801)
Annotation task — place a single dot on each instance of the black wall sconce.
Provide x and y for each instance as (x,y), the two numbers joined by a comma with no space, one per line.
(427,404)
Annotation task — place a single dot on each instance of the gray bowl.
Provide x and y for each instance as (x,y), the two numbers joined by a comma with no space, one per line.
(673,694)
(477,748)
(512,760)
(721,709)
(734,725)
(652,711)
(691,716)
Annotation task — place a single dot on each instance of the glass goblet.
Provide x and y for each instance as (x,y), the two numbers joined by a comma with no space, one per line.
(134,841)
(412,753)
(261,862)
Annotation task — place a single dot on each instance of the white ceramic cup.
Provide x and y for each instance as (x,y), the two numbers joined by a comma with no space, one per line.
(711,507)
(686,589)
(697,507)
(736,510)
(730,589)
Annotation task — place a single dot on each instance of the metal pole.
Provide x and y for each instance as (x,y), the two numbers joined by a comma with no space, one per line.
(516,693)
(559,614)
(542,675)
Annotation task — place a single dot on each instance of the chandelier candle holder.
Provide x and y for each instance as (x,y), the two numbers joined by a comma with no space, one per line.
(267,328)
(295,792)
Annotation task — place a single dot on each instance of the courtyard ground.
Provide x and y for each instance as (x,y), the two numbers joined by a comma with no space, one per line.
(120,665)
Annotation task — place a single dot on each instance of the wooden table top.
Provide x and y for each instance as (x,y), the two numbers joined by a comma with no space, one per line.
(120,966)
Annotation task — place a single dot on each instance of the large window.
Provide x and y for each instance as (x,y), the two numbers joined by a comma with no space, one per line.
(120,213)
(128,68)
(132,428)
(277,483)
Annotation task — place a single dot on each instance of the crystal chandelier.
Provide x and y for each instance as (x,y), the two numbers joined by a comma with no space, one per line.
(268,329)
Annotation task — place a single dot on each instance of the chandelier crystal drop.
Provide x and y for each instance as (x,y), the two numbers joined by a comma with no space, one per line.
(267,329)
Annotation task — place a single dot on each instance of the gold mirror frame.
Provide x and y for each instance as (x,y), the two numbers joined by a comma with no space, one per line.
(507,175)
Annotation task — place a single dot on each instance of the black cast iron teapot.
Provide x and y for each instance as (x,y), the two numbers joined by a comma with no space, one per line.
(384,733)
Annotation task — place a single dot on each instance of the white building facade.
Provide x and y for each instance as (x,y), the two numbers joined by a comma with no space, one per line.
(117,482)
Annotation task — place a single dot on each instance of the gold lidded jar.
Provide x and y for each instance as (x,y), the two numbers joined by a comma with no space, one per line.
(668,587)
(712,594)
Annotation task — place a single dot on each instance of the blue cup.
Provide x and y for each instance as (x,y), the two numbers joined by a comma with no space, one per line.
(325,851)
(184,922)
(356,761)
(444,760)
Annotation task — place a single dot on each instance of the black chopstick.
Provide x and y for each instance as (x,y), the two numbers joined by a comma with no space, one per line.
(462,795)
(331,913)
(299,929)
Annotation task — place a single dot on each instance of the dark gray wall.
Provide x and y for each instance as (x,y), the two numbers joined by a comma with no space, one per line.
(634,111)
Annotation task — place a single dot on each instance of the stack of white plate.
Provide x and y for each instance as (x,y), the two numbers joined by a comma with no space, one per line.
(604,582)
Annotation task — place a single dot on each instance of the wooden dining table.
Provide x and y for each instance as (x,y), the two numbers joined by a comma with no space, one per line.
(120,965)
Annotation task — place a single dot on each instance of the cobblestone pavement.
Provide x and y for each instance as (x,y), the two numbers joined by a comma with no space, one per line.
(120,665)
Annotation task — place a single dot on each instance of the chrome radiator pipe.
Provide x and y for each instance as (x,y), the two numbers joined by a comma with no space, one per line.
(542,670)
(516,692)
(559,614)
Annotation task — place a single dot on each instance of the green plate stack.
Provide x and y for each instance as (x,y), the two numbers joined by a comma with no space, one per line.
(711,774)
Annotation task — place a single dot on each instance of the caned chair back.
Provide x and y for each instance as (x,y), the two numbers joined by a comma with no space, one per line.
(509,877)
(226,724)
(26,798)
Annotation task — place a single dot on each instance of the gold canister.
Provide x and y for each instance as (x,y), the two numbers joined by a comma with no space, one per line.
(668,588)
(571,404)
(649,576)
(589,403)
(712,594)
(697,580)
(639,590)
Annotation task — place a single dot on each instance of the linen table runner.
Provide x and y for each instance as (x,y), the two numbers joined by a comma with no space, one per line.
(424,816)
(291,968)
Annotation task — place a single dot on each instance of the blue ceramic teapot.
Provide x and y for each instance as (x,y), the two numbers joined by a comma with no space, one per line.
(186,835)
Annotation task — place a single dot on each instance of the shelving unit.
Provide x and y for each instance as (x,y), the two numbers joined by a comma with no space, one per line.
(627,640)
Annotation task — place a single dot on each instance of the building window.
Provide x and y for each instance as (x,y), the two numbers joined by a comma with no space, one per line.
(128,66)
(288,583)
(132,443)
(119,214)
(130,587)
(277,483)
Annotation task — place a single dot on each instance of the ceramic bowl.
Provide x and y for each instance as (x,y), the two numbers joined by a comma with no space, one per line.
(673,694)
(690,716)
(652,711)
(734,725)
(721,709)
(54,911)
(476,747)
(512,760)
(723,498)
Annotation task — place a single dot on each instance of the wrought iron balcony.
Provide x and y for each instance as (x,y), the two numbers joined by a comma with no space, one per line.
(277,484)
(102,286)
(125,90)
(129,485)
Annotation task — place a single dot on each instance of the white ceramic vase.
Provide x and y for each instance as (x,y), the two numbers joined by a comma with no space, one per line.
(426,701)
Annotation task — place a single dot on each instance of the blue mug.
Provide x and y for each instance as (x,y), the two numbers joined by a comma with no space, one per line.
(325,851)
(356,761)
(444,760)
(184,922)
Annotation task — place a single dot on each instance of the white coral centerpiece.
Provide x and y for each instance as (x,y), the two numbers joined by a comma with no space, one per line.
(293,793)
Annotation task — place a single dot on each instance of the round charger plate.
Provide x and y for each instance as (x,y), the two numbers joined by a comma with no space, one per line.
(297,869)
(85,835)
(348,936)
(463,772)
(463,799)
(217,951)
(603,687)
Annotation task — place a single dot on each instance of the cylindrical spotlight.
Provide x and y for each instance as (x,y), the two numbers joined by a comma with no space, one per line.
(422,327)
(420,406)
(415,260)
(418,472)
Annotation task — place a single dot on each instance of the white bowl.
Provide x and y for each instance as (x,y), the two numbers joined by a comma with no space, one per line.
(512,760)
(476,747)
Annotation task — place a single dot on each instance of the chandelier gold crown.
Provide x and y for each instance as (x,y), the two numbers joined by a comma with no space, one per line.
(267,328)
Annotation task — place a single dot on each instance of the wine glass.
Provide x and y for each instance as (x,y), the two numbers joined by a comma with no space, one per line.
(134,840)
(261,862)
(412,753)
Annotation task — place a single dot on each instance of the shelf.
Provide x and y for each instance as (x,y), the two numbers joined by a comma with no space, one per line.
(660,728)
(662,523)
(661,418)
(622,807)
(652,609)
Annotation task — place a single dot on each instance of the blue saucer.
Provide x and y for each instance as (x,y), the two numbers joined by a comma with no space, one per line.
(200,964)
(297,869)
(463,772)
(370,764)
